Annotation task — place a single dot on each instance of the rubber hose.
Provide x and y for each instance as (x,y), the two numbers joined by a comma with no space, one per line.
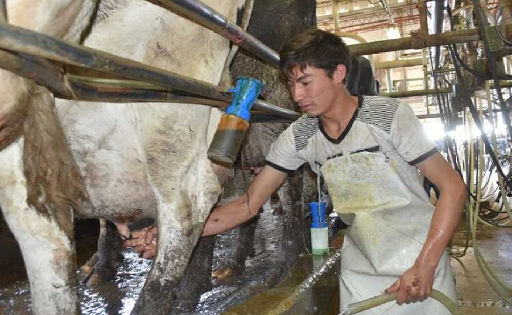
(358,307)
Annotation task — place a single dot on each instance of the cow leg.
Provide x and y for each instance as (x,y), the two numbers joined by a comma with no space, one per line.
(245,244)
(173,252)
(49,253)
(183,207)
(197,278)
(103,264)
(294,229)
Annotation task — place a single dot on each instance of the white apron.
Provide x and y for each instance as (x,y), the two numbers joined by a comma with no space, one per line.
(390,225)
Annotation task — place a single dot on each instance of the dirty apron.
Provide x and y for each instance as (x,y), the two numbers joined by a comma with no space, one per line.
(390,225)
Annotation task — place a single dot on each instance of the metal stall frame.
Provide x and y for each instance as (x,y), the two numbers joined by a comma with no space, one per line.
(26,53)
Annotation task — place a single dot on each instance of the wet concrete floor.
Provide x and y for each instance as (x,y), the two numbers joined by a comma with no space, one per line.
(262,270)
(475,295)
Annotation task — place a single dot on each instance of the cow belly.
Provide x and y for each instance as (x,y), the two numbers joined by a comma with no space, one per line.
(106,143)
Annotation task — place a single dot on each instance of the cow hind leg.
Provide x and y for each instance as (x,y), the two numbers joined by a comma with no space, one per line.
(294,229)
(102,266)
(174,249)
(197,278)
(48,252)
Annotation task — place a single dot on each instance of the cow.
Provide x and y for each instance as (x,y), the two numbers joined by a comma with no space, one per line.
(137,160)
(294,17)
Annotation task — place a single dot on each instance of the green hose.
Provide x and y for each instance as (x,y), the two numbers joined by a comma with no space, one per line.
(358,307)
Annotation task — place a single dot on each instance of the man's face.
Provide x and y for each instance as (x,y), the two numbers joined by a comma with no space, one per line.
(313,90)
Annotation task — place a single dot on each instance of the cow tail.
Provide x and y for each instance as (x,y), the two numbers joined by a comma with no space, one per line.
(11,119)
(54,183)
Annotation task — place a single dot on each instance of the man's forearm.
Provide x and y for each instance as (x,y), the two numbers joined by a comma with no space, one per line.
(446,217)
(248,205)
(228,216)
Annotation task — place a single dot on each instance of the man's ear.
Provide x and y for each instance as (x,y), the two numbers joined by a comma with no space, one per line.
(340,73)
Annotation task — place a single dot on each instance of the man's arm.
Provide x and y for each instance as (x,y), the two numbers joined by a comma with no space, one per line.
(248,205)
(224,217)
(416,283)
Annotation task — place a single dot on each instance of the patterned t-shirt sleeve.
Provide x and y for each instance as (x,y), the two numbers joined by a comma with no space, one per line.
(409,137)
(283,155)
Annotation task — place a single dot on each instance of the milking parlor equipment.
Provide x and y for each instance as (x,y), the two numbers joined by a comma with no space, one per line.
(56,65)
(234,122)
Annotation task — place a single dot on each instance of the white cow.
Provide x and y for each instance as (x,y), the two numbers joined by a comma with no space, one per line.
(137,160)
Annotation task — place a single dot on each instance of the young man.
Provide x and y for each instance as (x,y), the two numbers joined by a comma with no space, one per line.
(369,150)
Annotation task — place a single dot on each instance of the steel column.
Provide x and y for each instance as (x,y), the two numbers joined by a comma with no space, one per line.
(422,11)
(3,11)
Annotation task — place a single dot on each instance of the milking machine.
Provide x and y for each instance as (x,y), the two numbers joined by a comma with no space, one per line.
(319,230)
(234,122)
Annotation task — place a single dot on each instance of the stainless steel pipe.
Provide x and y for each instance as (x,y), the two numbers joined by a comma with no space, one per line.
(163,86)
(17,39)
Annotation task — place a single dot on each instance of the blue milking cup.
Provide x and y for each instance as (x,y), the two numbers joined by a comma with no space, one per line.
(234,122)
(318,213)
(319,231)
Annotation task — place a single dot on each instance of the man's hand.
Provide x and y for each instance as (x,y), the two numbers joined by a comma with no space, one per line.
(415,285)
(143,242)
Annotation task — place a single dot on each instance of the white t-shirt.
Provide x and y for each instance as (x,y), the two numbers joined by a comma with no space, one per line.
(380,124)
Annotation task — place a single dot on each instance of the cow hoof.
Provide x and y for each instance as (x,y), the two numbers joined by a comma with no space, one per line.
(93,280)
(227,272)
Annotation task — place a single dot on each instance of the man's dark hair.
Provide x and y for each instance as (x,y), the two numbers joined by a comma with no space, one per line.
(315,48)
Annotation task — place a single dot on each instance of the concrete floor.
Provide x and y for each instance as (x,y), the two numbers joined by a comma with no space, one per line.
(476,296)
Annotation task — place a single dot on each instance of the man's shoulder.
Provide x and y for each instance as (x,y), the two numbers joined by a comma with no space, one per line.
(375,102)
(303,129)
(379,111)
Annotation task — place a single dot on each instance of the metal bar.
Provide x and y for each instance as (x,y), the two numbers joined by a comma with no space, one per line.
(438,23)
(335,16)
(87,89)
(399,63)
(283,112)
(433,91)
(136,85)
(29,42)
(262,118)
(353,14)
(385,5)
(414,42)
(39,70)
(91,89)
(415,93)
(439,115)
(422,11)
(211,19)
(3,11)
(506,15)
(388,80)
(94,93)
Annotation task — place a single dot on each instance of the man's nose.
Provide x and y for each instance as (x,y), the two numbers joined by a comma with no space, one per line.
(297,92)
